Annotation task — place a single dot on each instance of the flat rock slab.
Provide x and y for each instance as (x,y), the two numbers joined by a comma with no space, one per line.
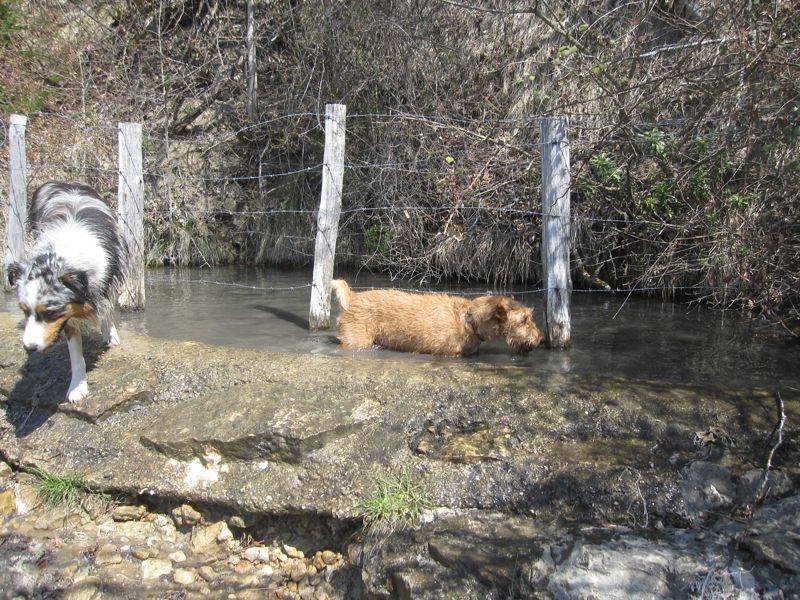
(257,422)
(261,432)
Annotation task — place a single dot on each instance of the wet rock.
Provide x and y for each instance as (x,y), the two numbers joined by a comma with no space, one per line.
(86,589)
(8,502)
(153,568)
(178,556)
(243,566)
(283,424)
(184,576)
(5,470)
(207,573)
(463,442)
(108,555)
(131,529)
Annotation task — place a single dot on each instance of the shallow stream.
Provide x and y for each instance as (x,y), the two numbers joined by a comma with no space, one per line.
(613,335)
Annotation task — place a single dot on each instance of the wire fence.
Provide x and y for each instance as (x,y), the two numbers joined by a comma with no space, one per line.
(252,194)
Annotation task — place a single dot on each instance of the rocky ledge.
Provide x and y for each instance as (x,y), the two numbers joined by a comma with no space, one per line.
(541,482)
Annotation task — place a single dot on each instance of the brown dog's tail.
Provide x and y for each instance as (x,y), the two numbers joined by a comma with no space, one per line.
(342,291)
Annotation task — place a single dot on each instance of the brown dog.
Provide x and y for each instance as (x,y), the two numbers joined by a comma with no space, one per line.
(431,323)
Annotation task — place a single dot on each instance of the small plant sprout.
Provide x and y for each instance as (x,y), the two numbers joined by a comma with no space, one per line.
(60,489)
(396,503)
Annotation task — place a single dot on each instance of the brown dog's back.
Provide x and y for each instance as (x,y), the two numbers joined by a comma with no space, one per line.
(431,323)
(427,323)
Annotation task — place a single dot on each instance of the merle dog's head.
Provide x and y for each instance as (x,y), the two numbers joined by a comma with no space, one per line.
(49,296)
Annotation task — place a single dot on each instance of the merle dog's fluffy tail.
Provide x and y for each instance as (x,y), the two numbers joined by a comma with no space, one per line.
(342,291)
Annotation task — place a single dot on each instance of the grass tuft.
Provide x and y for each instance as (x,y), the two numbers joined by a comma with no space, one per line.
(60,489)
(395,503)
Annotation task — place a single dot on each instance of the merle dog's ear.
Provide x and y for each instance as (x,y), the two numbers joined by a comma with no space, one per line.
(78,282)
(15,271)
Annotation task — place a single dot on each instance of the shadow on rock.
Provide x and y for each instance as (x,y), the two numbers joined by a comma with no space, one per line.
(42,389)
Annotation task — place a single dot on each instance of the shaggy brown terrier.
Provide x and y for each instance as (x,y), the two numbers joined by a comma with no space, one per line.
(431,323)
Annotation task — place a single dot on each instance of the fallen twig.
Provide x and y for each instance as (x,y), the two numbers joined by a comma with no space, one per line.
(762,486)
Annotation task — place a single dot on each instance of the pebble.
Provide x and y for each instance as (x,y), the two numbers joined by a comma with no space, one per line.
(186,515)
(184,576)
(167,557)
(153,568)
(257,553)
(128,513)
(107,555)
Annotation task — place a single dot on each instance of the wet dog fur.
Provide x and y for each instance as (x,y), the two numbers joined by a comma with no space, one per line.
(72,274)
(437,324)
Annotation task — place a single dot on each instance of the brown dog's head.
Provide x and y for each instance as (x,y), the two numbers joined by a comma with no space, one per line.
(495,316)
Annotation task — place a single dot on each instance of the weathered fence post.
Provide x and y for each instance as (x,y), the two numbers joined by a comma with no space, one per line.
(17,192)
(556,230)
(328,217)
(130,210)
(252,105)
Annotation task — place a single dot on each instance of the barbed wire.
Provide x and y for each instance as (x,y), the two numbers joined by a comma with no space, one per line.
(458,290)
(318,117)
(422,164)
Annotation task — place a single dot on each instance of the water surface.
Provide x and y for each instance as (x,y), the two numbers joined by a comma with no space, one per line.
(612,335)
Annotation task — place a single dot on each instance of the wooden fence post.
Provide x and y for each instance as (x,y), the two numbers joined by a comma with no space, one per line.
(556,230)
(130,210)
(17,192)
(328,216)
(252,105)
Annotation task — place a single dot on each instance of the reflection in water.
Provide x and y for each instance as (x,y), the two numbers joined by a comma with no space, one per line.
(268,310)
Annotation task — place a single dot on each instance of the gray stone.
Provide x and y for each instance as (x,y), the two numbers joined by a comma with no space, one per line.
(626,567)
(778,484)
(707,487)
(772,535)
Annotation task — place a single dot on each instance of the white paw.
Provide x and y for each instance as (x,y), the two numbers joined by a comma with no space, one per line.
(78,390)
